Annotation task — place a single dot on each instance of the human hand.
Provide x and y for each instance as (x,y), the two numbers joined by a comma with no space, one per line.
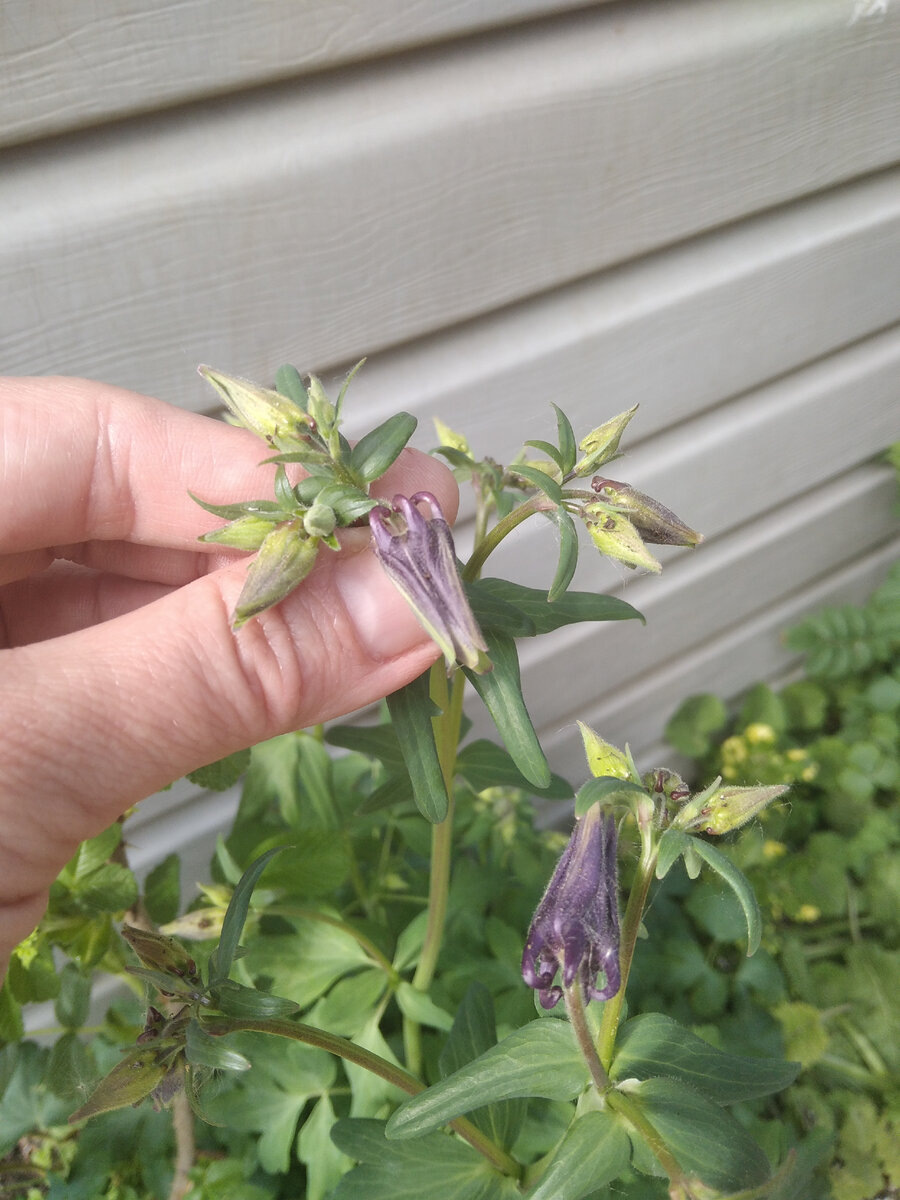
(119,670)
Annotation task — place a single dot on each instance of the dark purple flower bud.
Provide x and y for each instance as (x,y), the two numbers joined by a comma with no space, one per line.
(420,561)
(576,926)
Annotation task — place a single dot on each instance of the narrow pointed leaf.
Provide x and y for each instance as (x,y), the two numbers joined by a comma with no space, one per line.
(568,553)
(594,1151)
(568,609)
(540,1059)
(204,1050)
(550,450)
(672,845)
(654,1044)
(501,692)
(373,454)
(236,914)
(246,508)
(236,1000)
(376,741)
(568,449)
(544,483)
(738,883)
(411,709)
(705,1139)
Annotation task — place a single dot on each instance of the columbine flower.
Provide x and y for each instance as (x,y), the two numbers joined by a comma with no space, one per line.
(420,561)
(576,926)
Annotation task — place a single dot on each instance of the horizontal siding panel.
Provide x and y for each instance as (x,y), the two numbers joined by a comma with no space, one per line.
(727,665)
(64,65)
(378,205)
(676,332)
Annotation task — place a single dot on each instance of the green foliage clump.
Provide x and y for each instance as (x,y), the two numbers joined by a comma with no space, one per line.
(825,868)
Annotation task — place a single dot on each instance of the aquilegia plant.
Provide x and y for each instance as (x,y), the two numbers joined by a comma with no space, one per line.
(413,853)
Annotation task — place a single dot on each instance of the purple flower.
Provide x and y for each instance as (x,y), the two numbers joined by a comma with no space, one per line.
(576,926)
(420,561)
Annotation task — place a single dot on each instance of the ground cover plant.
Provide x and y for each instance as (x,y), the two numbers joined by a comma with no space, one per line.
(394,984)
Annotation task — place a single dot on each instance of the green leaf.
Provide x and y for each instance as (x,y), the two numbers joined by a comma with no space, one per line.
(540,1059)
(236,1000)
(305,963)
(484,764)
(375,741)
(323,1161)
(568,609)
(568,553)
(71,1069)
(606,789)
(411,710)
(474,1032)
(71,1005)
(568,450)
(246,508)
(349,503)
(289,383)
(410,1170)
(420,1008)
(235,915)
(11,1029)
(594,1151)
(550,450)
(129,1082)
(492,612)
(26,1102)
(541,481)
(315,864)
(704,1138)
(692,727)
(110,889)
(204,1050)
(501,692)
(374,453)
(162,890)
(92,854)
(739,884)
(654,1044)
(672,845)
(221,775)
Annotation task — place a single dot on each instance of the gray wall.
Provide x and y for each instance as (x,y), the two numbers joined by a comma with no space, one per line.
(693,204)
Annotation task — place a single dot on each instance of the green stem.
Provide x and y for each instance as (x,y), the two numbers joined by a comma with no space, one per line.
(310,1036)
(446,730)
(578,1020)
(492,539)
(623,1104)
(631,924)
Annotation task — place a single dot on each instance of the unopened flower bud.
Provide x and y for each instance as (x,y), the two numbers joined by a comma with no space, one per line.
(727,808)
(601,443)
(320,407)
(319,521)
(161,953)
(604,759)
(245,533)
(615,536)
(654,522)
(266,413)
(449,437)
(285,558)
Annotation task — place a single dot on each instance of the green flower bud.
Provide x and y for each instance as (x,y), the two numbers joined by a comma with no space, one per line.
(320,407)
(285,558)
(615,536)
(449,437)
(604,759)
(653,522)
(266,413)
(601,443)
(319,521)
(161,953)
(726,808)
(246,533)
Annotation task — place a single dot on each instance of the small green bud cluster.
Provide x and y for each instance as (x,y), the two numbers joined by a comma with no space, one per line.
(302,425)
